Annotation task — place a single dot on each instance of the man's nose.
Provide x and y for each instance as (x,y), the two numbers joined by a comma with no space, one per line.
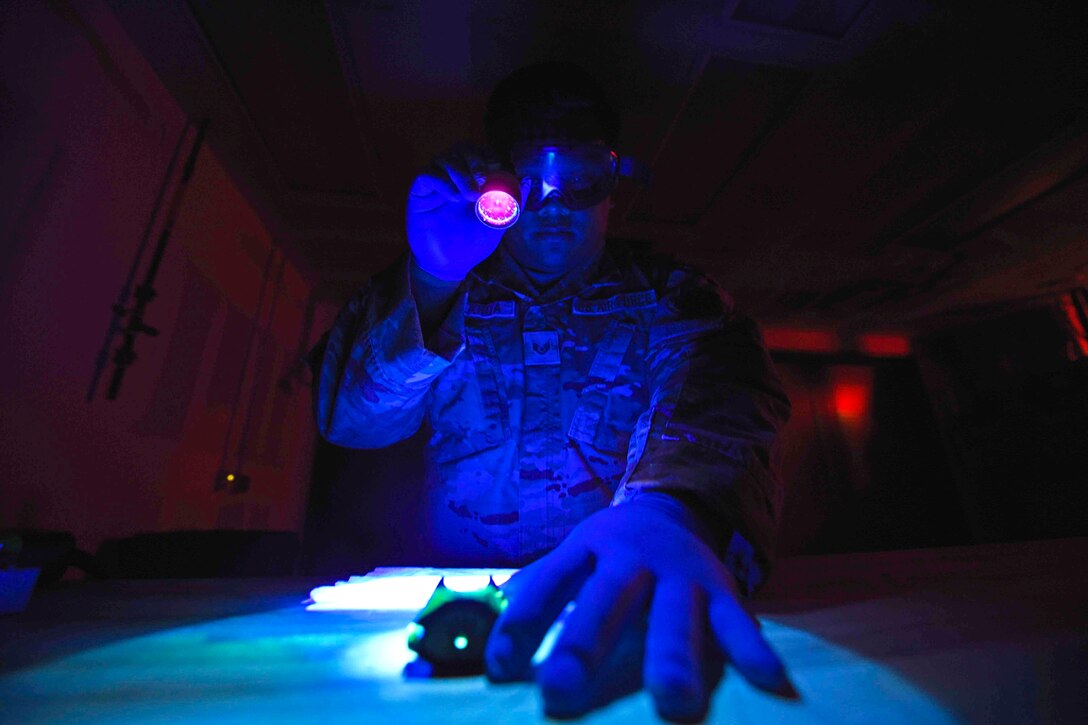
(553,205)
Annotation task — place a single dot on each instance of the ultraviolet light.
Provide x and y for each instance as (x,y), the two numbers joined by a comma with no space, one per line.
(499,205)
(390,589)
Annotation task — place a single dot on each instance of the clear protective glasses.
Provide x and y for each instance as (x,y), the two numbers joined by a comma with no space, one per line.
(580,175)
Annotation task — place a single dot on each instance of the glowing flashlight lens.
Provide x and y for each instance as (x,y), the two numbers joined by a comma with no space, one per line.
(497,209)
(460,641)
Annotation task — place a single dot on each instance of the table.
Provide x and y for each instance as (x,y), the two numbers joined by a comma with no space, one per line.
(995,633)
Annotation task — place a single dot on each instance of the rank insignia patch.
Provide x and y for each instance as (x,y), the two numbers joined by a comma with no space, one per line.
(541,348)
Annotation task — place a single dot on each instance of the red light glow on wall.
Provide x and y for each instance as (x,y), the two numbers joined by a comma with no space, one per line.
(798,340)
(1079,342)
(876,344)
(851,401)
(851,393)
(828,342)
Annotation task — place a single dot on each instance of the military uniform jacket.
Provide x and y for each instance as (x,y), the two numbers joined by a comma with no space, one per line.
(632,374)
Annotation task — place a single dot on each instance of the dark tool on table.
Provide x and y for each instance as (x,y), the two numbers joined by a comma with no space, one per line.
(451,631)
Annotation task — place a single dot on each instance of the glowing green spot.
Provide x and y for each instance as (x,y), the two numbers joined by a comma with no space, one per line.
(415,633)
(460,641)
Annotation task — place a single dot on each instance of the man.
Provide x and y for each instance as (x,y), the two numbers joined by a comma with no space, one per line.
(603,420)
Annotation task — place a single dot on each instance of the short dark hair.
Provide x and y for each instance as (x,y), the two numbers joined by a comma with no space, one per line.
(554,100)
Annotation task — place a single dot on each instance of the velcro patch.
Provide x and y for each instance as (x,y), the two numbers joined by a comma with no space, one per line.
(625,301)
(501,308)
(541,348)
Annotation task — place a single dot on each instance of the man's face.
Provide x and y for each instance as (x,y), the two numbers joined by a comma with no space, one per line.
(550,239)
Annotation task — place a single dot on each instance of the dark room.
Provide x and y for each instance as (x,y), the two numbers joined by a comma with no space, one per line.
(475,361)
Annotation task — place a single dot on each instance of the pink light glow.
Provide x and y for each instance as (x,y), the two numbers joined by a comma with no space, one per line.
(497,209)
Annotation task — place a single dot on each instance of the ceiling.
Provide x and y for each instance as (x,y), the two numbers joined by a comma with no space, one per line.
(834,163)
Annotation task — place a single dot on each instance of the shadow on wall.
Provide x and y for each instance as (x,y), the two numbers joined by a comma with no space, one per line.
(364,510)
(864,466)
(1011,398)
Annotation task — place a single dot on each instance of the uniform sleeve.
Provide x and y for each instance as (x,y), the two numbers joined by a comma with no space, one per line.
(710,433)
(371,388)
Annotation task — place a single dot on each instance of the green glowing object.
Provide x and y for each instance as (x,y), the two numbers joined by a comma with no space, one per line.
(451,631)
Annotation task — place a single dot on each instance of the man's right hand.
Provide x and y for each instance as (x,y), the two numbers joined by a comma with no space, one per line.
(446,238)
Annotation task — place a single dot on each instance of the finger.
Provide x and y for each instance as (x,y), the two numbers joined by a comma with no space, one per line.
(739,636)
(477,158)
(430,190)
(673,670)
(461,174)
(536,596)
(568,679)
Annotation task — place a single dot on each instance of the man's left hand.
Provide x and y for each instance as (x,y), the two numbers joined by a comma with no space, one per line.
(628,565)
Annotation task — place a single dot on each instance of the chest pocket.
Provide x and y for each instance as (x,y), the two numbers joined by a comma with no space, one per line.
(608,406)
(474,415)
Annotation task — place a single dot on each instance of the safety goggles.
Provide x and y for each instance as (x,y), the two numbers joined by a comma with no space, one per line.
(579,175)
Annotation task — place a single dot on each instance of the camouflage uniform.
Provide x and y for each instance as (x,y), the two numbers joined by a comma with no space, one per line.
(631,374)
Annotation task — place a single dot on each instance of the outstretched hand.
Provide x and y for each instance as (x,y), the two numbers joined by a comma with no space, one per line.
(631,567)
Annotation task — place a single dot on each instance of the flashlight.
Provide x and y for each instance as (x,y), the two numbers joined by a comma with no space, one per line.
(499,205)
(452,629)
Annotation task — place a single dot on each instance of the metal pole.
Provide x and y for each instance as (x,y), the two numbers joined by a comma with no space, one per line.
(119,307)
(125,355)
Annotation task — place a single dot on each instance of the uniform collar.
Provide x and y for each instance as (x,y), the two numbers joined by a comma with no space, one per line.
(503,270)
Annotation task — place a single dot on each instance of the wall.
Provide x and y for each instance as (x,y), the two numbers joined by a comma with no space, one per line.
(87,133)
(862,462)
(1010,391)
